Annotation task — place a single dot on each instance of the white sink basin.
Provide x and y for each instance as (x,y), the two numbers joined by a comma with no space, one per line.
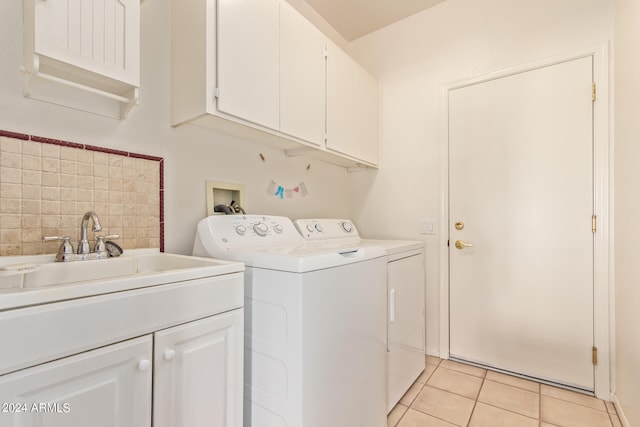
(30,280)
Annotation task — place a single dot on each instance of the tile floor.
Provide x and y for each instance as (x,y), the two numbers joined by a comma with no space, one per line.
(450,394)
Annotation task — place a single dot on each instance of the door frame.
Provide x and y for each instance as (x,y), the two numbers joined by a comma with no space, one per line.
(603,309)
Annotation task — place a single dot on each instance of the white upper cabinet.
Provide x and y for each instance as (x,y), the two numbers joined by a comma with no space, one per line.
(257,69)
(352,108)
(83,53)
(302,77)
(248,46)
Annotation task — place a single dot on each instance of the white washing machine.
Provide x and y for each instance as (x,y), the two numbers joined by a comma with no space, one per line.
(406,298)
(315,323)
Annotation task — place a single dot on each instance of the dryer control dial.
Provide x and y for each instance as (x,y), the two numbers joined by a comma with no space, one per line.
(347,226)
(277,228)
(319,228)
(261,229)
(241,229)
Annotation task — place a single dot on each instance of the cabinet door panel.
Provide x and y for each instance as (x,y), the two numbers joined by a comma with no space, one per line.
(198,373)
(302,77)
(101,36)
(248,68)
(100,388)
(352,108)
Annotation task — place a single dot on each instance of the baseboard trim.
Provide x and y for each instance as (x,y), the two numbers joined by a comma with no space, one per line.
(621,415)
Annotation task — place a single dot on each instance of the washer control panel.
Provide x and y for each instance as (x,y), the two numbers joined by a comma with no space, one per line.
(238,231)
(319,229)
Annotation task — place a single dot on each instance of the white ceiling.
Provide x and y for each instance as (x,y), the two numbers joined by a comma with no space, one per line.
(355,18)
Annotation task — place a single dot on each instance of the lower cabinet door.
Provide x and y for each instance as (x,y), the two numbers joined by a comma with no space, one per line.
(107,387)
(198,373)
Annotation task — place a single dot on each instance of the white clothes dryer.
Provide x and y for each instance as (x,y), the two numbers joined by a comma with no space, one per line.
(405,277)
(315,323)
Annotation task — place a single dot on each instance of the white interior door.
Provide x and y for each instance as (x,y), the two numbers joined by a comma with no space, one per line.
(521,181)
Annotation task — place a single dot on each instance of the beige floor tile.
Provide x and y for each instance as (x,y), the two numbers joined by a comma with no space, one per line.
(543,424)
(567,414)
(428,370)
(573,397)
(513,381)
(418,419)
(433,360)
(396,413)
(411,394)
(611,408)
(514,399)
(456,382)
(444,405)
(462,367)
(489,416)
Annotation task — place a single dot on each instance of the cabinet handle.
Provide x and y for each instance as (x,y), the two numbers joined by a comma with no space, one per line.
(169,354)
(144,364)
(392,306)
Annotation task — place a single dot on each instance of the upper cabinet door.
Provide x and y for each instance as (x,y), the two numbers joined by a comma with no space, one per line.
(101,36)
(248,66)
(302,77)
(352,108)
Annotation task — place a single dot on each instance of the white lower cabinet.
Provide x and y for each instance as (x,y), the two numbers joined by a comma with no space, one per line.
(106,387)
(198,373)
(197,381)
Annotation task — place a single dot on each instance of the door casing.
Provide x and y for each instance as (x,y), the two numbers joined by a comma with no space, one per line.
(603,205)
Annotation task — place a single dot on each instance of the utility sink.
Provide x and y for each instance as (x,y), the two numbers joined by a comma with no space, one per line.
(38,279)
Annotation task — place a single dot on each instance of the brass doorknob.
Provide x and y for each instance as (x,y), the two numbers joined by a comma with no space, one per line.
(461,244)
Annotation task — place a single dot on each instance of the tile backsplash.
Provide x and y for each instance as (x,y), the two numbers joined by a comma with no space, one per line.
(46,186)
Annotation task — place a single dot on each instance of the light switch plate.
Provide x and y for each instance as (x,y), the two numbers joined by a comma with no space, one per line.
(427,226)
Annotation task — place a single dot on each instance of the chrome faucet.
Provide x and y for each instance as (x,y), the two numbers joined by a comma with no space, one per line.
(83,244)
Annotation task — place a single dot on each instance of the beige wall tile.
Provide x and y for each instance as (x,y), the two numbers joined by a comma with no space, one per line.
(31,148)
(11,175)
(30,163)
(31,207)
(10,206)
(85,156)
(50,179)
(84,169)
(68,181)
(32,177)
(32,192)
(69,153)
(11,160)
(69,167)
(10,191)
(10,145)
(50,151)
(44,188)
(100,158)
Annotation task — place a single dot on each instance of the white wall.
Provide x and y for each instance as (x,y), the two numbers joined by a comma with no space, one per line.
(192,155)
(454,40)
(627,207)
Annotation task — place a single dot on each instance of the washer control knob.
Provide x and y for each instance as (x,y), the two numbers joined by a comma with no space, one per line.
(277,228)
(261,229)
(241,229)
(319,228)
(347,226)
(310,227)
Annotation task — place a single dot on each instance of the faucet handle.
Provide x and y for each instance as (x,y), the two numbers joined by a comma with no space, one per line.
(65,251)
(100,247)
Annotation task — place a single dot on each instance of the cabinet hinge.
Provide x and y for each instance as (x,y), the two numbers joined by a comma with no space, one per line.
(216,93)
(594,355)
(593,91)
(593,223)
